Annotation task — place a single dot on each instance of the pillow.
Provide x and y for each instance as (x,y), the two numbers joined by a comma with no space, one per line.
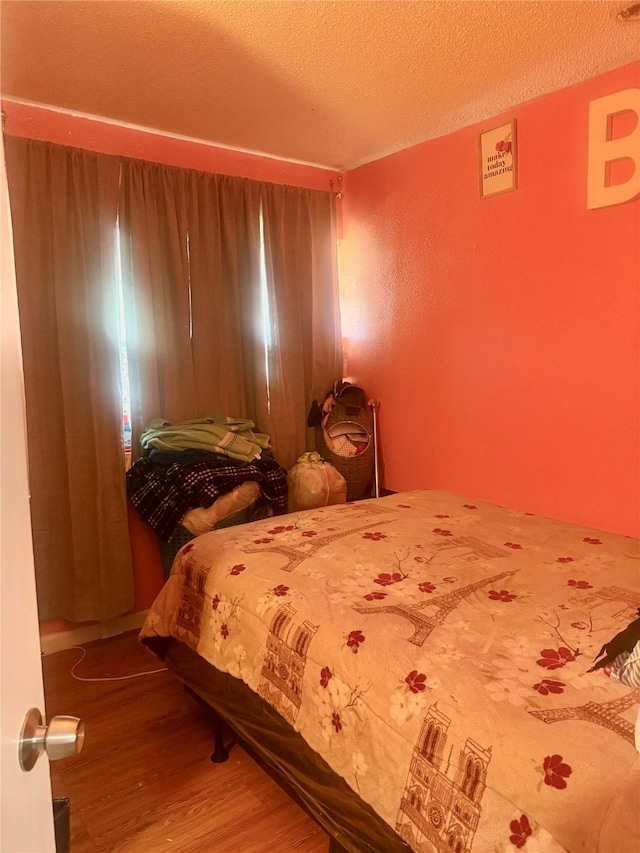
(201,520)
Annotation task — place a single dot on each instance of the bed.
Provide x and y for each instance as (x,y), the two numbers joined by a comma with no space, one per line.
(414,668)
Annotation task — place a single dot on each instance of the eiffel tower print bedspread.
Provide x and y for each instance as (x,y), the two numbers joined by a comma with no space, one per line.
(434,650)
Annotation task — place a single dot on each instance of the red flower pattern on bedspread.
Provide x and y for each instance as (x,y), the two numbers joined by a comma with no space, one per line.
(520,831)
(501,595)
(281,528)
(374,537)
(417,681)
(548,685)
(281,589)
(591,541)
(335,721)
(579,584)
(565,560)
(386,578)
(513,545)
(442,532)
(325,675)
(224,631)
(427,586)
(263,541)
(552,659)
(556,772)
(354,640)
(236,570)
(309,533)
(442,516)
(215,601)
(375,596)
(469,506)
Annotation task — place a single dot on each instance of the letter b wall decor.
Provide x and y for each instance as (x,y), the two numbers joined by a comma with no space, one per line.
(605,147)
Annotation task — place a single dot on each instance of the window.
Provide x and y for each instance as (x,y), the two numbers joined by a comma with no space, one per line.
(124,364)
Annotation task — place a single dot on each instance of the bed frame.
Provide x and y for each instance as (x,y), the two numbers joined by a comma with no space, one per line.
(352,825)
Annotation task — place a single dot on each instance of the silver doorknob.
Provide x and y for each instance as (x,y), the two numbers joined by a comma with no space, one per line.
(63,737)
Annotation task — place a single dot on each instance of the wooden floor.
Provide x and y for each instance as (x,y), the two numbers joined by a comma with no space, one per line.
(144,781)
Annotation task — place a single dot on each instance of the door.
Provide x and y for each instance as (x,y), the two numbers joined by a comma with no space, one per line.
(26,817)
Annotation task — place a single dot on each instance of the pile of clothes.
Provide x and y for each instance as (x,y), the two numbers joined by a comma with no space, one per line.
(190,465)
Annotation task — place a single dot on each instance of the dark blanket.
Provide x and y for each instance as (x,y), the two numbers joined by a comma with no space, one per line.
(162,494)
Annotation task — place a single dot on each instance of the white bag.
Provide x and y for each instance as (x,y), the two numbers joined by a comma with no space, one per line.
(313,482)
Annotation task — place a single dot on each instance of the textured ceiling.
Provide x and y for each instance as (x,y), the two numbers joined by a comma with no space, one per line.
(330,83)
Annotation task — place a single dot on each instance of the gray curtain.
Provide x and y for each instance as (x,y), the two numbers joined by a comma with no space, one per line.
(63,204)
(231,308)
(224,244)
(231,300)
(152,218)
(305,347)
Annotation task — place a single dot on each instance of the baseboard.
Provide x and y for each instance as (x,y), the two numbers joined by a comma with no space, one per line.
(79,636)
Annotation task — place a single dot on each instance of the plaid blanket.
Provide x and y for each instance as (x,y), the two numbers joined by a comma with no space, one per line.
(163,494)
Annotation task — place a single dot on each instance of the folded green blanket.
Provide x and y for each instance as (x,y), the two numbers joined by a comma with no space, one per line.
(233,437)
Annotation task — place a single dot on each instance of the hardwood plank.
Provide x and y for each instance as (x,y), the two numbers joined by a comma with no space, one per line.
(80,841)
(144,781)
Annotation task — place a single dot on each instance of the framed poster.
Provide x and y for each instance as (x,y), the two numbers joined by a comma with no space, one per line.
(497,150)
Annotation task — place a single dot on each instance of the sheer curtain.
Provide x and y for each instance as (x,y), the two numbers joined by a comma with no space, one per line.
(63,203)
(153,238)
(230,300)
(230,308)
(224,240)
(304,353)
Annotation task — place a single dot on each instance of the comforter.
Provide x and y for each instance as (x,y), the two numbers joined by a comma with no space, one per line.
(434,651)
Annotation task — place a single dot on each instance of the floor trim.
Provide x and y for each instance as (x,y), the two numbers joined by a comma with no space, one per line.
(86,634)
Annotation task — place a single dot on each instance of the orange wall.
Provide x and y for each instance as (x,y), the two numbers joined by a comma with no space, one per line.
(500,335)
(95,135)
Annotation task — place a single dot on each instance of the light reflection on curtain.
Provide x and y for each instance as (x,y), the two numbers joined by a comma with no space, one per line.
(152,220)
(202,256)
(63,203)
(196,272)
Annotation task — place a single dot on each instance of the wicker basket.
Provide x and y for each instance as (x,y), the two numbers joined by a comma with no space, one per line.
(357,470)
(349,413)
